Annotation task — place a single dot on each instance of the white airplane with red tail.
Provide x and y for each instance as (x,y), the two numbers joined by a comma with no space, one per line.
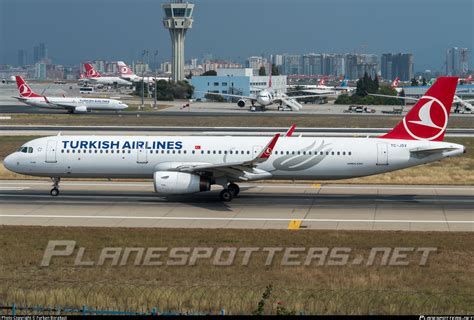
(71,104)
(191,164)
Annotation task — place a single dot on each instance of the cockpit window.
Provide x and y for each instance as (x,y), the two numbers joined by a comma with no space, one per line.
(26,150)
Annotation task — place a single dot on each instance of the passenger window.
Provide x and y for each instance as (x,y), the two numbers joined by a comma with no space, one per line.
(248,152)
(343,153)
(338,153)
(73,151)
(184,151)
(220,151)
(129,151)
(62,151)
(332,153)
(214,152)
(101,150)
(193,152)
(202,151)
(350,153)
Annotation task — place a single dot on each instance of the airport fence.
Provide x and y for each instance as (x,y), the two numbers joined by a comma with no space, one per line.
(73,298)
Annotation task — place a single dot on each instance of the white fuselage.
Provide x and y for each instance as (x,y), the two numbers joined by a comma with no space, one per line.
(135,78)
(72,103)
(110,81)
(301,158)
(265,97)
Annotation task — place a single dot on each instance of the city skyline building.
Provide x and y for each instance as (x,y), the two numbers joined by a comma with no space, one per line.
(457,61)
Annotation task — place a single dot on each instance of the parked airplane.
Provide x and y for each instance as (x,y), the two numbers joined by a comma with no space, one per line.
(127,74)
(8,80)
(267,96)
(322,88)
(94,76)
(71,104)
(191,164)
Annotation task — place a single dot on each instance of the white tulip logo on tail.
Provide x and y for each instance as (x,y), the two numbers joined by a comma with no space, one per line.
(421,125)
(25,91)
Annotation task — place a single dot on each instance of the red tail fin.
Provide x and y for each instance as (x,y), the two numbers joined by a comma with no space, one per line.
(90,72)
(25,90)
(395,82)
(428,119)
(124,69)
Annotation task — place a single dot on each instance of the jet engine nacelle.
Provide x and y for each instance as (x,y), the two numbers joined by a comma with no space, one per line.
(80,109)
(241,103)
(169,182)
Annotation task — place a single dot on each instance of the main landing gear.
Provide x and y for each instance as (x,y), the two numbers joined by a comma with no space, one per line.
(55,190)
(230,192)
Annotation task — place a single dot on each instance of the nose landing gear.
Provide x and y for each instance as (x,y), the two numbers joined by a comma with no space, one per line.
(55,190)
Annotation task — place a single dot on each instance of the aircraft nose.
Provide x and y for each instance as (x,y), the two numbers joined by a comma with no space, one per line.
(9,162)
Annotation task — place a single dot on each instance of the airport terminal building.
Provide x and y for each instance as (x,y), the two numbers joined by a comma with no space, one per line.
(235,81)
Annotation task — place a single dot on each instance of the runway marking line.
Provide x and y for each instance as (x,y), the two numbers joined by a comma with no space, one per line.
(233,219)
(294,225)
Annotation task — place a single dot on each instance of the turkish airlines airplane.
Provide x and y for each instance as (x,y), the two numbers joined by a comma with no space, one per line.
(322,88)
(93,75)
(267,97)
(190,164)
(127,74)
(71,104)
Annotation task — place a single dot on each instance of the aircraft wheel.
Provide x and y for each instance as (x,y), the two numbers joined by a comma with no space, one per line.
(54,192)
(234,188)
(226,195)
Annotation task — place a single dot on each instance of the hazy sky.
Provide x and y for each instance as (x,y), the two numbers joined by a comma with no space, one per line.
(80,30)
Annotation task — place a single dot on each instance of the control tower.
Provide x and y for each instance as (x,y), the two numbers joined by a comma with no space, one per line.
(178,19)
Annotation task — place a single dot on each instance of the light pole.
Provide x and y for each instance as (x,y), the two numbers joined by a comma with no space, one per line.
(154,96)
(145,52)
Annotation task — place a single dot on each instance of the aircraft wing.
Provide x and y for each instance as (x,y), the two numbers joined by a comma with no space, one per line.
(311,95)
(244,170)
(61,105)
(395,97)
(320,91)
(430,150)
(229,95)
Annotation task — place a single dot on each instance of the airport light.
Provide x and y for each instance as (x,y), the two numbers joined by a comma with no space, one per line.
(145,52)
(156,77)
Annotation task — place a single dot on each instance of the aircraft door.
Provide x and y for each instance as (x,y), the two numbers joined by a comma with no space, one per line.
(142,156)
(382,154)
(51,151)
